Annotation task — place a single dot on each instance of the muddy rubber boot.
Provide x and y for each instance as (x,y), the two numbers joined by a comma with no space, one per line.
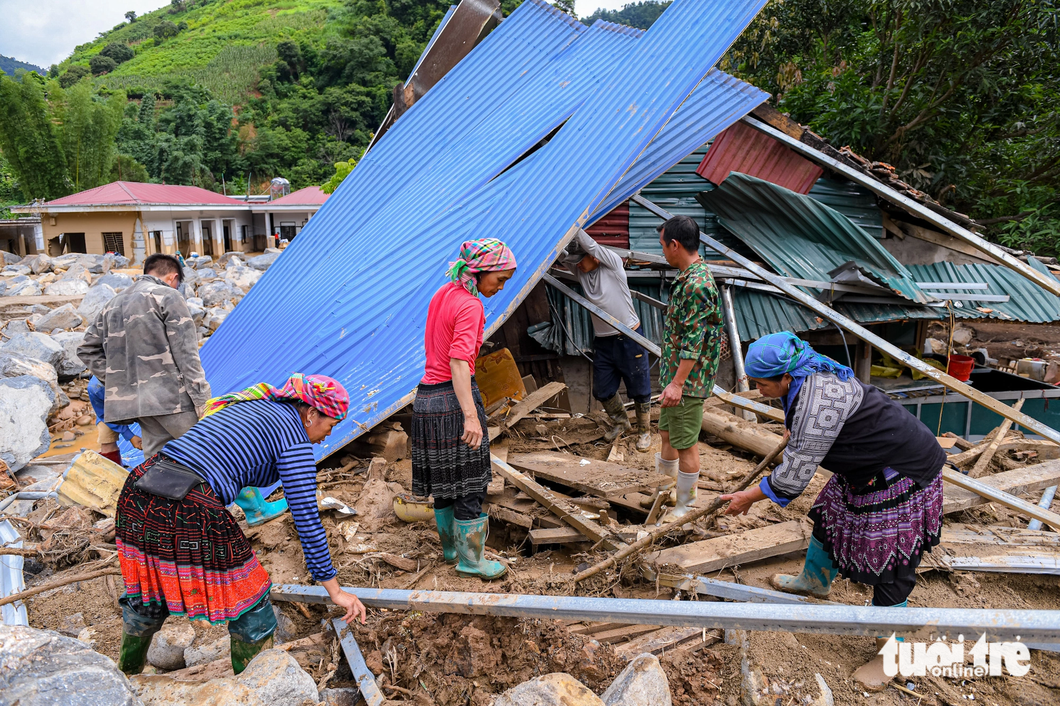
(817,575)
(870,676)
(257,509)
(133,654)
(686,495)
(665,467)
(443,518)
(470,546)
(243,652)
(643,425)
(617,411)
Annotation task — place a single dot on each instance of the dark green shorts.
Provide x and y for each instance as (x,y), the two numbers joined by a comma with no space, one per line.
(683,422)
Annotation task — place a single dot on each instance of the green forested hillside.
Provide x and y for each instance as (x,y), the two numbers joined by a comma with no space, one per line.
(9,65)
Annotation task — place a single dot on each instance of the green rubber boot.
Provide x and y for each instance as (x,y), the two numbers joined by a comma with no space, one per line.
(817,574)
(470,546)
(243,652)
(257,509)
(133,655)
(617,411)
(443,518)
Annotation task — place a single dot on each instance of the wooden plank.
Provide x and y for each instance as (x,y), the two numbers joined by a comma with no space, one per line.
(599,478)
(737,549)
(569,535)
(569,513)
(532,401)
(510,516)
(984,459)
(996,549)
(1001,497)
(1022,480)
(624,634)
(666,639)
(47,300)
(1045,449)
(631,502)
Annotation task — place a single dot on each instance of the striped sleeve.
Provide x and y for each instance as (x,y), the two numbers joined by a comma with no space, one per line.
(298,471)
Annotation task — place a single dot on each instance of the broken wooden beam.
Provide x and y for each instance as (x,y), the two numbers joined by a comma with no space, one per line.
(996,549)
(1017,482)
(568,512)
(600,478)
(569,535)
(734,550)
(983,462)
(1002,498)
(531,402)
(666,639)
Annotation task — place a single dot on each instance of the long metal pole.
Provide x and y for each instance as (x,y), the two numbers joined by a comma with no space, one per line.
(735,347)
(365,680)
(865,335)
(1046,502)
(1030,625)
(1045,282)
(730,398)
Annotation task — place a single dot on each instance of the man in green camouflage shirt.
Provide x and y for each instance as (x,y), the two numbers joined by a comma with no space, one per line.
(144,348)
(690,352)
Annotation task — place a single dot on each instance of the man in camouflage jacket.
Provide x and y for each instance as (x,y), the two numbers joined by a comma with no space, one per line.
(144,347)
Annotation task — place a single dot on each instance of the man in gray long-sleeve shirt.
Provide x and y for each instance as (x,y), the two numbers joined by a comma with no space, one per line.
(616,357)
(144,347)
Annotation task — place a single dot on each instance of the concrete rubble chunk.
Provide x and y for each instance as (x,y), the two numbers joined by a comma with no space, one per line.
(642,683)
(195,655)
(167,647)
(34,345)
(67,288)
(273,678)
(22,286)
(263,262)
(94,302)
(71,365)
(556,689)
(43,668)
(62,318)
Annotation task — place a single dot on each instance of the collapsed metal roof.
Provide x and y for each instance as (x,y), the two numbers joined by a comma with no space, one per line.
(349,297)
(802,237)
(1027,302)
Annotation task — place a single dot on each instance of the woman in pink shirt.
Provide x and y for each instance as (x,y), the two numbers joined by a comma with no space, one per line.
(450,451)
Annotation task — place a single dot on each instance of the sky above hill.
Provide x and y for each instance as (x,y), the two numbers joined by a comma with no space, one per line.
(44,32)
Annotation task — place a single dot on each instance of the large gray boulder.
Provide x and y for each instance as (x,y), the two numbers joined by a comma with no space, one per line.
(199,261)
(197,310)
(206,273)
(78,271)
(263,262)
(34,345)
(63,318)
(642,683)
(10,258)
(94,302)
(22,286)
(242,277)
(217,293)
(16,326)
(71,365)
(13,270)
(38,264)
(167,647)
(73,287)
(190,275)
(273,678)
(43,668)
(556,689)
(115,280)
(14,366)
(25,403)
(220,648)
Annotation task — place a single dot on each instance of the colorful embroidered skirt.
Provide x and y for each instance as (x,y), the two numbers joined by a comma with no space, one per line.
(442,464)
(879,533)
(188,555)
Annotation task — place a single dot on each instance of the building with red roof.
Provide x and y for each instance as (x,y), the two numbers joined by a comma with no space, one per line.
(286,216)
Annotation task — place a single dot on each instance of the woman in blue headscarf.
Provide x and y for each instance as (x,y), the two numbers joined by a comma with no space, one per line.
(882,507)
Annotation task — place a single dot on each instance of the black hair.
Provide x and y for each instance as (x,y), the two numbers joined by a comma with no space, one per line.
(162,264)
(682,229)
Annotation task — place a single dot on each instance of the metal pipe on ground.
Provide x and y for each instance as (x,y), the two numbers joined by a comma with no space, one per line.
(865,335)
(1046,502)
(735,347)
(1029,625)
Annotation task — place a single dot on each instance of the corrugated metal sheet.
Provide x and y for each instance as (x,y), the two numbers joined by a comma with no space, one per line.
(358,280)
(1027,301)
(613,228)
(801,237)
(574,335)
(743,149)
(855,202)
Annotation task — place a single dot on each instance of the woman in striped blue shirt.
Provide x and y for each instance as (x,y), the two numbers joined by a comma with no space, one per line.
(187,555)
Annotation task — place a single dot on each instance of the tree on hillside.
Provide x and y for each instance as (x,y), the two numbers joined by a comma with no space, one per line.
(72,75)
(88,128)
(635,14)
(29,140)
(959,95)
(130,16)
(119,51)
(165,30)
(100,64)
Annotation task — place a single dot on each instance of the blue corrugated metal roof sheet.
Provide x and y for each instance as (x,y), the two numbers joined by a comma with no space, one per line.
(1027,301)
(801,237)
(349,297)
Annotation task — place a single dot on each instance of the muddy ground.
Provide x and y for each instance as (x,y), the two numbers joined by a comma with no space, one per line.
(449,659)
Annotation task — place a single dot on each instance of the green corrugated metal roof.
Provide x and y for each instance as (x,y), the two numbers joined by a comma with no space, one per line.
(801,237)
(1027,301)
(855,202)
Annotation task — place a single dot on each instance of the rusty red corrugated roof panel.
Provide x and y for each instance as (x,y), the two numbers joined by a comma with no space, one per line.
(743,149)
(309,196)
(613,228)
(120,193)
